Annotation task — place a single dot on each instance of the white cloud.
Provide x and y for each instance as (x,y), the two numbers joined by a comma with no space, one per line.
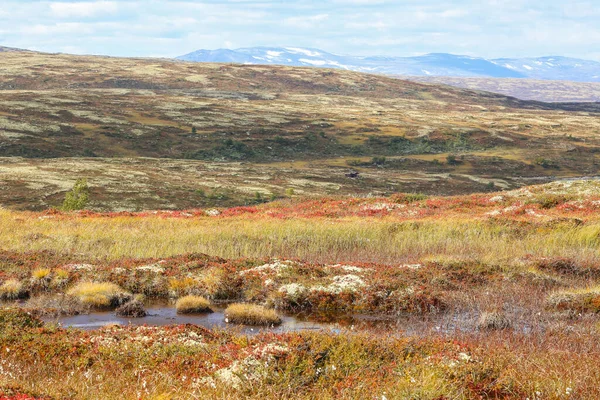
(306,22)
(83,9)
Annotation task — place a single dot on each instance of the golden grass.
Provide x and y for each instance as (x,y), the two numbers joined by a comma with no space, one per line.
(193,305)
(11,289)
(349,239)
(41,273)
(250,314)
(99,294)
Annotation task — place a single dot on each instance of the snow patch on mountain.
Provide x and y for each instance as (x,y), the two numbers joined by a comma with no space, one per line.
(436,64)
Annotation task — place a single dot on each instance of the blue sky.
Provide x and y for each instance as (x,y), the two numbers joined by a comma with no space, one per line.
(485,28)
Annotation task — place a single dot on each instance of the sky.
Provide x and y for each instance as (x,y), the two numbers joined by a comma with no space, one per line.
(479,28)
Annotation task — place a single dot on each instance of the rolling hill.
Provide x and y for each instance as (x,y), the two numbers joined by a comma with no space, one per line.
(156,133)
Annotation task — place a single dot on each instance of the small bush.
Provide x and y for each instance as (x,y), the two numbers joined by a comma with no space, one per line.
(12,289)
(250,314)
(566,266)
(41,273)
(132,309)
(193,305)
(548,201)
(55,305)
(582,300)
(40,279)
(100,295)
(78,198)
(451,159)
(60,279)
(493,321)
(15,318)
(408,198)
(545,163)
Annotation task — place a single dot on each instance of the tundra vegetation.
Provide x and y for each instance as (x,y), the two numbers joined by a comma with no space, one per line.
(487,295)
(437,272)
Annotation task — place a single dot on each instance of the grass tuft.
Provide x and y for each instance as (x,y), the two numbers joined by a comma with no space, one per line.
(41,273)
(12,289)
(493,321)
(250,314)
(100,295)
(193,305)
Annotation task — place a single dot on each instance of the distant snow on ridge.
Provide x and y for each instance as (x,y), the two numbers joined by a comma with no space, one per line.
(437,64)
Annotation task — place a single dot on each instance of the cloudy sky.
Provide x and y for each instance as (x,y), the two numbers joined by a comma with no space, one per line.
(486,28)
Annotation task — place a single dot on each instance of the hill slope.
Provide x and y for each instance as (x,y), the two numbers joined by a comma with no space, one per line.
(525,89)
(296,128)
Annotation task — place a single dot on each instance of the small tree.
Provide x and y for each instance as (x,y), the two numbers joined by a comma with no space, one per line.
(78,197)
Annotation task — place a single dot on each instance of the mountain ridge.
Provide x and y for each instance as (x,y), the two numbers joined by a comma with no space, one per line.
(433,64)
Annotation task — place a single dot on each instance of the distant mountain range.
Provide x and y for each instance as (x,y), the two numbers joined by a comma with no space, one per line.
(438,64)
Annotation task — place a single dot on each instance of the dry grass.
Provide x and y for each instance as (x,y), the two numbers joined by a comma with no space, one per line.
(250,314)
(193,305)
(12,289)
(326,240)
(56,305)
(99,294)
(494,320)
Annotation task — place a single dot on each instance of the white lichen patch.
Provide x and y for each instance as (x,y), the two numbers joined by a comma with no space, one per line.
(293,291)
(347,268)
(79,267)
(155,268)
(253,368)
(341,283)
(277,267)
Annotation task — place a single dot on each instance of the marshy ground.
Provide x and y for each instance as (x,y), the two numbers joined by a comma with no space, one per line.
(323,283)
(481,296)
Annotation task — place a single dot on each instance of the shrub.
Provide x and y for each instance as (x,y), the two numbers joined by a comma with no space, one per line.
(12,289)
(547,201)
(250,314)
(40,279)
(545,163)
(132,309)
(582,300)
(408,198)
(60,279)
(565,266)
(451,159)
(378,160)
(193,305)
(55,305)
(15,318)
(493,321)
(78,197)
(100,295)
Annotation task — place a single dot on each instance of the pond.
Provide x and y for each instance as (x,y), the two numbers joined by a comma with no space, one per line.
(161,315)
